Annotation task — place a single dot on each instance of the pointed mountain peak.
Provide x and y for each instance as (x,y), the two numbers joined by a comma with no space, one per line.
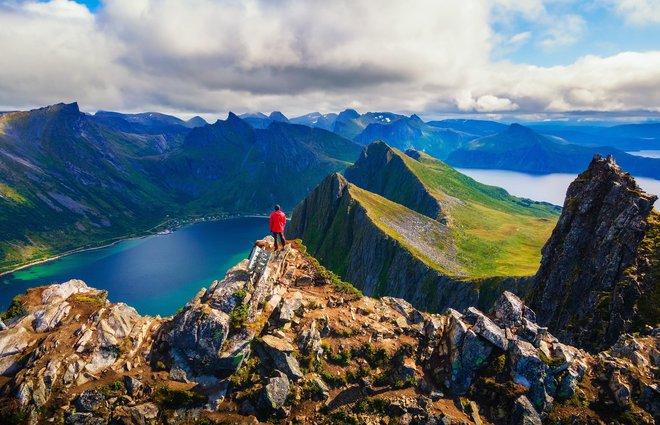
(416,119)
(348,114)
(278,116)
(232,117)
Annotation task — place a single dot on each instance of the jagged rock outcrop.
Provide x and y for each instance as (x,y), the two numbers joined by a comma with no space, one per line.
(587,287)
(337,357)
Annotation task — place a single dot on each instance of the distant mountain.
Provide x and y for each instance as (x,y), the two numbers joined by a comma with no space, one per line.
(278,116)
(413,219)
(520,148)
(233,164)
(260,120)
(475,127)
(412,133)
(196,121)
(316,119)
(627,137)
(68,179)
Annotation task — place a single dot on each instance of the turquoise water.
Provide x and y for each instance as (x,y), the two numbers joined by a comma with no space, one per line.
(156,274)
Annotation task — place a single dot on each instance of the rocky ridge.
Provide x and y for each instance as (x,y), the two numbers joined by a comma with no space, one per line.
(295,343)
(595,269)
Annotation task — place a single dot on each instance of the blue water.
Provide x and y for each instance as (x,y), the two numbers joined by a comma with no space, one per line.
(156,274)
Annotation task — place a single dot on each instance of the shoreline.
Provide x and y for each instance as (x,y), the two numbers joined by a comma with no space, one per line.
(150,232)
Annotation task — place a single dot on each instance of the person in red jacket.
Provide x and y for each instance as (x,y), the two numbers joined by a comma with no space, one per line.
(277,223)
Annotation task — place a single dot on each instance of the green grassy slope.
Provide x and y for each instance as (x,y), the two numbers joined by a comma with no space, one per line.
(492,232)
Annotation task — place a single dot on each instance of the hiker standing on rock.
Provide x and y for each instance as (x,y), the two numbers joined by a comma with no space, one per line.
(277,223)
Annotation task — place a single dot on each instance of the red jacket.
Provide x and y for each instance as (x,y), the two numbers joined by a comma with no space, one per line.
(277,221)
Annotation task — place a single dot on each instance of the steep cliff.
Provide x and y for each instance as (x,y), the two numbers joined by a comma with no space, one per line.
(295,343)
(383,170)
(384,248)
(595,278)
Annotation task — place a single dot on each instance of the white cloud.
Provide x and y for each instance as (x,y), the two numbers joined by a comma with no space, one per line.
(638,12)
(211,56)
(564,31)
(520,38)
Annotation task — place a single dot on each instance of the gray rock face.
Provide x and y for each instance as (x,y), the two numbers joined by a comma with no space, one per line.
(89,401)
(474,353)
(595,241)
(310,342)
(273,396)
(524,413)
(531,372)
(280,352)
(197,336)
(142,414)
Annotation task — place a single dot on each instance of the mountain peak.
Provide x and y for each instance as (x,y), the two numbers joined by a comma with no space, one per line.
(70,108)
(348,114)
(278,116)
(583,296)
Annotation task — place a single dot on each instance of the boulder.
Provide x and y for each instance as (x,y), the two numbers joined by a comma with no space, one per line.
(134,386)
(492,333)
(279,351)
(568,385)
(89,401)
(620,390)
(509,309)
(141,414)
(432,327)
(524,413)
(83,418)
(531,372)
(273,395)
(472,355)
(49,317)
(310,342)
(197,336)
(288,306)
(60,292)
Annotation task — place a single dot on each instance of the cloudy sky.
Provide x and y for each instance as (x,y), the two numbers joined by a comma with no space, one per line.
(524,58)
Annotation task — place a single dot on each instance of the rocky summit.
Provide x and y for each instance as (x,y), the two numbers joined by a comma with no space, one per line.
(292,343)
(599,271)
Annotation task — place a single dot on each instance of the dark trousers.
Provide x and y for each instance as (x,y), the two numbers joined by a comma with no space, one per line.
(281,236)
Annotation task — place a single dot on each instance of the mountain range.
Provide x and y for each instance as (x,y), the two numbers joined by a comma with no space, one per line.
(68,179)
(535,148)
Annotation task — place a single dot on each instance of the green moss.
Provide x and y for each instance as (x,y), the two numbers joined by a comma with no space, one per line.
(372,405)
(90,299)
(237,318)
(240,295)
(341,417)
(647,310)
(16,309)
(331,379)
(552,362)
(113,389)
(168,398)
(341,358)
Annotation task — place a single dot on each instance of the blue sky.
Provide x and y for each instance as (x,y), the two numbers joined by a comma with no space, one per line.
(598,30)
(530,59)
